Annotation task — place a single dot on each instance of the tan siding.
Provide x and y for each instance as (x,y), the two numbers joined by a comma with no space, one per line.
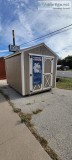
(42,50)
(13,72)
(26,71)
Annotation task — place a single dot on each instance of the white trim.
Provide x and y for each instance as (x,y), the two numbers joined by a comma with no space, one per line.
(32,54)
(22,73)
(52,73)
(32,47)
(44,57)
(39,45)
(42,73)
(55,73)
(30,75)
(37,89)
(47,88)
(12,55)
(44,88)
(51,59)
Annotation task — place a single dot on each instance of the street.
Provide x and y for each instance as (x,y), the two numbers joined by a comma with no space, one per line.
(67,74)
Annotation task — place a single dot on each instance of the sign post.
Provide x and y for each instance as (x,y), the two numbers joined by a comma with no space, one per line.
(13,37)
(13,48)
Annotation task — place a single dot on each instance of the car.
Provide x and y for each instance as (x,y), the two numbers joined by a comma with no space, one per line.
(63,68)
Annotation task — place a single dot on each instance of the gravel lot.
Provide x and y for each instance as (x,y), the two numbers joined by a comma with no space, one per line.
(54,123)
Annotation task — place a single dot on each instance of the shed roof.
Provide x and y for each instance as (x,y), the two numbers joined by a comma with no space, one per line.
(32,47)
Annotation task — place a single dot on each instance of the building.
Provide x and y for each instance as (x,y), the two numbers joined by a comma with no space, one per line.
(32,69)
(2,68)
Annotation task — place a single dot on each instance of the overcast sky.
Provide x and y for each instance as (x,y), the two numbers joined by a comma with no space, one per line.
(29,22)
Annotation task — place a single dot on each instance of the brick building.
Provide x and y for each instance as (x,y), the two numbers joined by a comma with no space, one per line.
(2,68)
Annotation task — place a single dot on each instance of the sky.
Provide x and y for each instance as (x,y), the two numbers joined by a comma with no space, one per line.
(30,22)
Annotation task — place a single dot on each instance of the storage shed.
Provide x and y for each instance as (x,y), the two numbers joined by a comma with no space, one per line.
(2,69)
(32,70)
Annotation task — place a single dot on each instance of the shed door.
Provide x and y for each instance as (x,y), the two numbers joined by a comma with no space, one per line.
(47,72)
(35,73)
(41,72)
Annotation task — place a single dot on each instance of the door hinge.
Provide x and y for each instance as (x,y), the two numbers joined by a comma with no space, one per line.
(30,56)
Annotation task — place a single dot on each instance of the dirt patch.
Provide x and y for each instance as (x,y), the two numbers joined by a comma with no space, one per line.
(37,111)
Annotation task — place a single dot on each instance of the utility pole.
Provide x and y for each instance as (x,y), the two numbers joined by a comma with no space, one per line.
(13,37)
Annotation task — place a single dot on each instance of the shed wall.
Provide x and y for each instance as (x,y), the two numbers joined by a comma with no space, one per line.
(13,72)
(42,50)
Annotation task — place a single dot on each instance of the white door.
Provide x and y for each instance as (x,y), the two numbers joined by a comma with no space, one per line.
(35,73)
(47,72)
(41,72)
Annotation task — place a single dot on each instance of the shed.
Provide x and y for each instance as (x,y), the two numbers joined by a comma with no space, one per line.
(2,68)
(32,69)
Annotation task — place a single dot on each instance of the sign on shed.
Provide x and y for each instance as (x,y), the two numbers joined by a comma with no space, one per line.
(37,70)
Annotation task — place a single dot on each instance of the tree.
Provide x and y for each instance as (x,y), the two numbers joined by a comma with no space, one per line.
(67,61)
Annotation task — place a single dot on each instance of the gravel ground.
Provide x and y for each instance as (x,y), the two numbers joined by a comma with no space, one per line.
(54,123)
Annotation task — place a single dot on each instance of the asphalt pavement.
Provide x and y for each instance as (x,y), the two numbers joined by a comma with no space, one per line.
(66,74)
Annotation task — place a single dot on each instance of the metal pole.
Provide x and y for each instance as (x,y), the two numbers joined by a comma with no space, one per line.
(13,37)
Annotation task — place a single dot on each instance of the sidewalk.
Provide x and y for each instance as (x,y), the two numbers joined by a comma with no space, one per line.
(16,141)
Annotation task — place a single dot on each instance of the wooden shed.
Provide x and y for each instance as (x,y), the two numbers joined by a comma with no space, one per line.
(2,69)
(32,70)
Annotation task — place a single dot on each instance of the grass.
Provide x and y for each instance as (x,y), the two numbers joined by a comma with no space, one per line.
(64,83)
(25,117)
(70,70)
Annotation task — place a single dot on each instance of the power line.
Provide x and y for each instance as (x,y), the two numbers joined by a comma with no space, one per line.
(49,34)
(61,31)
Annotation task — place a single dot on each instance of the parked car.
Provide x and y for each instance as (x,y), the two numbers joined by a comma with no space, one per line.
(63,68)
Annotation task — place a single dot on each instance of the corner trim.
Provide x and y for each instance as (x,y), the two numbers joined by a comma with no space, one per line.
(22,73)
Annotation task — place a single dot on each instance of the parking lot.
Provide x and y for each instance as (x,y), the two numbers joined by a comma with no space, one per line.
(54,122)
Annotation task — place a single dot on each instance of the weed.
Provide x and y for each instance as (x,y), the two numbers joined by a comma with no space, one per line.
(16,110)
(28,104)
(37,111)
(24,117)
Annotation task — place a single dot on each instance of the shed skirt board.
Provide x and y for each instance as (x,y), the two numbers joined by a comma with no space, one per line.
(40,73)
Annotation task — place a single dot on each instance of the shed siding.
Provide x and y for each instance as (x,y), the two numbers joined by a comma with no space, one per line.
(13,72)
(41,50)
